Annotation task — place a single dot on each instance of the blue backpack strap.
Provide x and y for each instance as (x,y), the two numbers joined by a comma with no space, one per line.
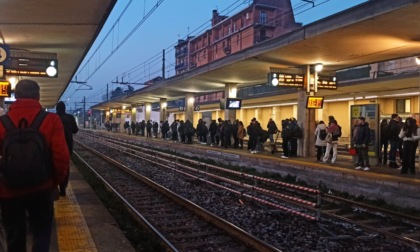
(7,122)
(39,119)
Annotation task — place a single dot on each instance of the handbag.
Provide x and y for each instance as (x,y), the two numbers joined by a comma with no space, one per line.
(353,151)
(328,138)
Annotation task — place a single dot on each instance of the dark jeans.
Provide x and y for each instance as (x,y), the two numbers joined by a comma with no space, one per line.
(320,152)
(384,153)
(363,157)
(285,146)
(252,143)
(393,150)
(293,147)
(408,163)
(39,208)
(212,135)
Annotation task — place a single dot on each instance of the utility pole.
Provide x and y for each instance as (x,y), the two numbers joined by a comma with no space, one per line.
(84,111)
(107,93)
(163,64)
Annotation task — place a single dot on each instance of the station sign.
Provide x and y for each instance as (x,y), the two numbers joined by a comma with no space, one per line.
(286,80)
(32,64)
(315,102)
(5,89)
(196,108)
(327,82)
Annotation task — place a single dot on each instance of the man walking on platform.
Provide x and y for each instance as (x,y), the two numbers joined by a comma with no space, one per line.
(32,201)
(70,128)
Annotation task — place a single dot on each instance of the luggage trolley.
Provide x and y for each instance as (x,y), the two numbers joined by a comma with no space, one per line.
(274,145)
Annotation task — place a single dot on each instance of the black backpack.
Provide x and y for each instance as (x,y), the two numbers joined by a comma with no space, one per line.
(322,134)
(26,157)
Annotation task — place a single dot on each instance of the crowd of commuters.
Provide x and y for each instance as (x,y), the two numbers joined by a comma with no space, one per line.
(223,133)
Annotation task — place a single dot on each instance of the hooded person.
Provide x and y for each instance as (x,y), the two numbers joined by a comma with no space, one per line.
(70,128)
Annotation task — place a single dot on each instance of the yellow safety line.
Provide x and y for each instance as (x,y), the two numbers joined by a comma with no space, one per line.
(72,231)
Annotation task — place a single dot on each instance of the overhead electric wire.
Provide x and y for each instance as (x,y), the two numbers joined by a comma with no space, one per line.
(197,31)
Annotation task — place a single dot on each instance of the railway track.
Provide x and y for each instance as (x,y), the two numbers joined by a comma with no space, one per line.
(179,223)
(361,223)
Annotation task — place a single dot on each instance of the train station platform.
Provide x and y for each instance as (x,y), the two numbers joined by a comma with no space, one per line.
(82,223)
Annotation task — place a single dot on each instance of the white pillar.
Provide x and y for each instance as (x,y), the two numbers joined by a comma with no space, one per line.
(230,92)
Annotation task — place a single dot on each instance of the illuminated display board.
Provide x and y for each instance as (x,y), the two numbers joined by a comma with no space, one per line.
(315,102)
(327,82)
(286,80)
(5,89)
(26,73)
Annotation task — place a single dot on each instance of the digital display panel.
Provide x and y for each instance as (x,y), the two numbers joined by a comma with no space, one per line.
(233,103)
(5,89)
(286,80)
(327,82)
(314,102)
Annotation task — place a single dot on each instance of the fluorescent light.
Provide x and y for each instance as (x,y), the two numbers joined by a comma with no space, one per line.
(338,99)
(404,94)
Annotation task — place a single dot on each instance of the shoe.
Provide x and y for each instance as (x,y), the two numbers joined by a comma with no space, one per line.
(399,168)
(284,156)
(62,193)
(366,169)
(358,167)
(253,152)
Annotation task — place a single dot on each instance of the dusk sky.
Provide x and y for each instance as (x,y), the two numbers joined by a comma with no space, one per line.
(136,53)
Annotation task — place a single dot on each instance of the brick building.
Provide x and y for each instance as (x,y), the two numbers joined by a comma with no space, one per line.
(260,21)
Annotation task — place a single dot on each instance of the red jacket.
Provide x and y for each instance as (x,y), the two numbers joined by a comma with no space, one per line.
(53,131)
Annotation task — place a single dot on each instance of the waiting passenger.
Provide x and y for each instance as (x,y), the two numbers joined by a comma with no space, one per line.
(361,140)
(213,132)
(272,129)
(410,134)
(333,133)
(286,135)
(393,132)
(383,148)
(253,135)
(174,131)
(70,128)
(241,134)
(320,143)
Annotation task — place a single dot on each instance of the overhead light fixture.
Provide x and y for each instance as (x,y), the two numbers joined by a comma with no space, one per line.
(318,67)
(51,69)
(418,60)
(274,80)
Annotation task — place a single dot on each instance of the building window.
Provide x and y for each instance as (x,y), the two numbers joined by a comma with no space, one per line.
(234,27)
(263,17)
(403,105)
(247,15)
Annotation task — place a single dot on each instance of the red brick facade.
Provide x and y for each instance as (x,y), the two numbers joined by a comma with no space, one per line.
(263,20)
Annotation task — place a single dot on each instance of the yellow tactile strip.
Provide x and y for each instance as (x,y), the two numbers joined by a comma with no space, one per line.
(72,231)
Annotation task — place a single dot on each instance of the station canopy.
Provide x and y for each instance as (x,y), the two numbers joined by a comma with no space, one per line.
(66,29)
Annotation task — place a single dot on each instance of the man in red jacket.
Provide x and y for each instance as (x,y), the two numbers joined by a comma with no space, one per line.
(34,202)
